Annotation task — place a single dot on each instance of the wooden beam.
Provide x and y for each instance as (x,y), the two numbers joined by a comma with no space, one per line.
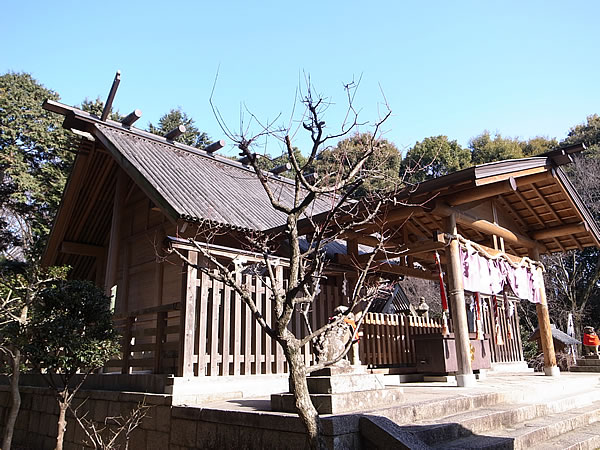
(215,146)
(510,210)
(517,175)
(222,251)
(77,248)
(130,118)
(464,377)
(536,178)
(550,367)
(175,133)
(187,318)
(439,241)
(66,209)
(390,218)
(361,238)
(400,215)
(483,192)
(486,226)
(352,247)
(537,216)
(563,230)
(496,238)
(408,271)
(115,233)
(84,134)
(388,268)
(245,160)
(280,169)
(111,96)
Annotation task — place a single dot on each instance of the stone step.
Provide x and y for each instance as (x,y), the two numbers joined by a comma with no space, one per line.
(343,383)
(429,408)
(494,417)
(584,438)
(526,434)
(341,402)
(585,369)
(588,362)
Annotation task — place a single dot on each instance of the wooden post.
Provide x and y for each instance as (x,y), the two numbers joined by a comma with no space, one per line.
(464,377)
(127,344)
(111,96)
(550,367)
(161,325)
(115,233)
(187,317)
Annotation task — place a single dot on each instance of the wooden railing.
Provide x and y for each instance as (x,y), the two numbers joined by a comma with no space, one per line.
(149,340)
(512,348)
(387,339)
(228,341)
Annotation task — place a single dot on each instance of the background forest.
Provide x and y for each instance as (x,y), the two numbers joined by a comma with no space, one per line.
(35,164)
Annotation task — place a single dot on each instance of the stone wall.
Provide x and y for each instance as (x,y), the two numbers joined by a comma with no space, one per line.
(36,425)
(249,425)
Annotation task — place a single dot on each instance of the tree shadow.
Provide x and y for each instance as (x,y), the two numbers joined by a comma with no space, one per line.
(379,432)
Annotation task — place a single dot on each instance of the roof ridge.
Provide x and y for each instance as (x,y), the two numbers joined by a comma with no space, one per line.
(61,108)
(154,138)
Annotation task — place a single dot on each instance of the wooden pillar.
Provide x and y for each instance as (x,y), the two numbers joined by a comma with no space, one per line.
(115,234)
(465,376)
(188,318)
(550,367)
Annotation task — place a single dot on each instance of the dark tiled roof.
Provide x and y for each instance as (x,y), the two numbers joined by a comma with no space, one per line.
(556,334)
(391,299)
(197,186)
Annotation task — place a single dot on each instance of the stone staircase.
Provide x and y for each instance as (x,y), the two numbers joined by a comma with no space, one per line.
(587,364)
(566,418)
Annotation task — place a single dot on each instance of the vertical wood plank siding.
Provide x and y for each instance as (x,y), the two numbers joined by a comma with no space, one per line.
(388,339)
(227,340)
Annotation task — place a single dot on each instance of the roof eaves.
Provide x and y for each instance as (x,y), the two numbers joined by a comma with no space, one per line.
(508,166)
(77,114)
(216,224)
(134,173)
(578,202)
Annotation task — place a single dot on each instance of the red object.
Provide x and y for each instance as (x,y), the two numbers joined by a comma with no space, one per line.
(591,339)
(442,288)
(352,324)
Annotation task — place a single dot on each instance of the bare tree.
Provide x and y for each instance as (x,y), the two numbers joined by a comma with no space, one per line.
(304,236)
(115,432)
(573,277)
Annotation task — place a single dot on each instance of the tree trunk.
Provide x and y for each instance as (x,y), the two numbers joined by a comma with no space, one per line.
(62,419)
(16,400)
(306,410)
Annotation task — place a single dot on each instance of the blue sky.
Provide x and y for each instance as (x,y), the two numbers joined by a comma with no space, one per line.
(520,68)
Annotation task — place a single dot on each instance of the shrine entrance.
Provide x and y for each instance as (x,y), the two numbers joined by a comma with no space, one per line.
(488,226)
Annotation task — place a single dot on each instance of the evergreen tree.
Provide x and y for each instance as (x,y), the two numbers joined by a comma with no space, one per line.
(34,165)
(380,172)
(172,120)
(485,148)
(433,157)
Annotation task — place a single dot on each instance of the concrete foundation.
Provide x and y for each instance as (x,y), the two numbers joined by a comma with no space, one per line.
(468,380)
(501,407)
